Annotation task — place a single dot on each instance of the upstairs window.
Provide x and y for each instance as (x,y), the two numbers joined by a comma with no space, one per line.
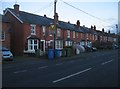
(58,32)
(87,35)
(43,29)
(76,34)
(33,29)
(73,34)
(68,33)
(93,37)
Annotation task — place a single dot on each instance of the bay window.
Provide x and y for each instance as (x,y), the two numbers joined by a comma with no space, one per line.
(32,44)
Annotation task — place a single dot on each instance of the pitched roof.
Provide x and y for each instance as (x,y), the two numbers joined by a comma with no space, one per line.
(26,17)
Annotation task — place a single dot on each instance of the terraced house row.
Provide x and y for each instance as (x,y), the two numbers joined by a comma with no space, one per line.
(24,32)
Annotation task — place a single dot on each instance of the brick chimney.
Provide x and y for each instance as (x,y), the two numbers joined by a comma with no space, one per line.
(16,9)
(45,15)
(94,27)
(78,23)
(91,27)
(56,17)
(102,29)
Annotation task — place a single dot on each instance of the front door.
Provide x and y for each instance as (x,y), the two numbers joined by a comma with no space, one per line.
(42,46)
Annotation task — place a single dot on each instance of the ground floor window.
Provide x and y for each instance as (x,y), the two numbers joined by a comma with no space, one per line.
(68,43)
(33,44)
(59,44)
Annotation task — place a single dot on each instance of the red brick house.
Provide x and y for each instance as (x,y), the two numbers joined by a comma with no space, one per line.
(32,32)
(5,31)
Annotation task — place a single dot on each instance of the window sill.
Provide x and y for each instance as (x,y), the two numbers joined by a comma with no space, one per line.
(29,51)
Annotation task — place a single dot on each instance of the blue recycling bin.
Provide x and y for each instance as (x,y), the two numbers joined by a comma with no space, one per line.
(57,53)
(50,54)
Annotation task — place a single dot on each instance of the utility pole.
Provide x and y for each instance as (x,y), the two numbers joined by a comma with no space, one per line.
(117,28)
(55,1)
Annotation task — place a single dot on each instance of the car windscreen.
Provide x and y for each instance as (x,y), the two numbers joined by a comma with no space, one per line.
(4,49)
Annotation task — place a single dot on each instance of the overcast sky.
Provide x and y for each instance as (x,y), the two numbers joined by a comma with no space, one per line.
(102,13)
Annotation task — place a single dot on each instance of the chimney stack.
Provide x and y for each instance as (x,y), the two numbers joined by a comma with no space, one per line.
(45,15)
(91,27)
(78,23)
(102,29)
(94,27)
(16,9)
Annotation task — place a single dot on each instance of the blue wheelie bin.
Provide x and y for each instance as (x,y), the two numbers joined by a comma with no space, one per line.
(57,53)
(50,54)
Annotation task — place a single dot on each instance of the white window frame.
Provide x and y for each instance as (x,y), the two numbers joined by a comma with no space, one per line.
(32,44)
(81,35)
(58,32)
(87,35)
(93,36)
(77,34)
(73,34)
(2,36)
(68,33)
(68,43)
(33,29)
(59,44)
(43,30)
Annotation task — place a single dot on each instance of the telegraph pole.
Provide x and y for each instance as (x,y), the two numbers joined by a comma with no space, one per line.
(55,1)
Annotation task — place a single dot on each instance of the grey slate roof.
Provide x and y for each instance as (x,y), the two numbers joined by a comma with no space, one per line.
(45,21)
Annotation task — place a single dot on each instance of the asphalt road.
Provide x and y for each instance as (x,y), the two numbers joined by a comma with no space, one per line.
(95,69)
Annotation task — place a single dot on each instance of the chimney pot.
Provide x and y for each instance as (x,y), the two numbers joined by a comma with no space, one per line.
(16,9)
(45,15)
(78,23)
(94,27)
(102,29)
(91,27)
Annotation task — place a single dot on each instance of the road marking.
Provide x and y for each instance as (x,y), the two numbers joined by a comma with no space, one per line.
(19,71)
(106,62)
(58,64)
(42,67)
(71,75)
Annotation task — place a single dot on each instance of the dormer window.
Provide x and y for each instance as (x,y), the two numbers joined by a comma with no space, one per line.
(33,29)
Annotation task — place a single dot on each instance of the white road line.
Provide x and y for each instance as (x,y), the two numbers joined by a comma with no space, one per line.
(71,75)
(42,67)
(106,62)
(58,64)
(16,72)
